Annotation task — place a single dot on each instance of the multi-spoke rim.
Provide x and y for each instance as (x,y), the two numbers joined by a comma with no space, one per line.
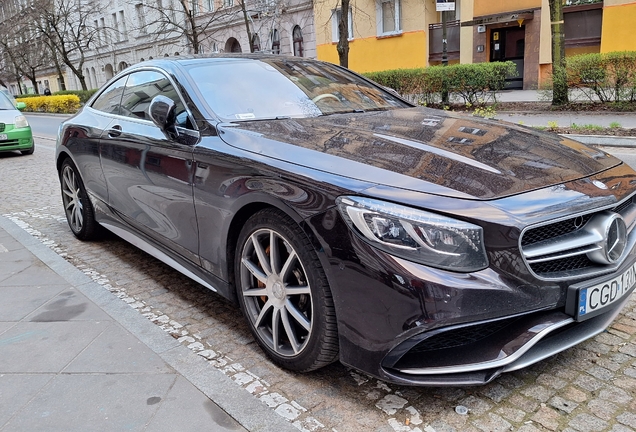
(276,292)
(71,199)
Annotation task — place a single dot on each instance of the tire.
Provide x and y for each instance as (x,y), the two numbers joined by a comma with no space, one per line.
(29,151)
(77,207)
(283,292)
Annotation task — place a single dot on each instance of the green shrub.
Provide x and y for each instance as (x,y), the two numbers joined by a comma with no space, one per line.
(474,83)
(610,77)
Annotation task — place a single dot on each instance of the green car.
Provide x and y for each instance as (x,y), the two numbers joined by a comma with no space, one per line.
(15,132)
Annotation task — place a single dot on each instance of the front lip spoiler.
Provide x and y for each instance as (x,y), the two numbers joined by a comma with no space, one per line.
(545,344)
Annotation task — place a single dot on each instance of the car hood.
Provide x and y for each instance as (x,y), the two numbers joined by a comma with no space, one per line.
(425,150)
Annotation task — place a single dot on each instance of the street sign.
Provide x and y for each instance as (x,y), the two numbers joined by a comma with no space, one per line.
(445,5)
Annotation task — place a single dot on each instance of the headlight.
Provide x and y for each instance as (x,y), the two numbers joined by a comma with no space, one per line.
(20,122)
(416,235)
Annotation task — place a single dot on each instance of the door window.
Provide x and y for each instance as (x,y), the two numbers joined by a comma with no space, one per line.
(110,99)
(141,88)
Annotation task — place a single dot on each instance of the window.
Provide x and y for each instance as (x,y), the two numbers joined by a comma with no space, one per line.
(335,19)
(209,5)
(388,17)
(141,88)
(122,25)
(141,18)
(228,3)
(297,35)
(110,99)
(275,42)
(115,26)
(195,7)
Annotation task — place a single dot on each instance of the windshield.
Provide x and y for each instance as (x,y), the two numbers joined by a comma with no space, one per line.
(5,103)
(247,89)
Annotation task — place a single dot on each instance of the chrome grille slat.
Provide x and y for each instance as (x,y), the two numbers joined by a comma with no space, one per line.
(558,250)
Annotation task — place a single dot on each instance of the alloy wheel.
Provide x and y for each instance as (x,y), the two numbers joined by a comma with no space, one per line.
(71,198)
(276,292)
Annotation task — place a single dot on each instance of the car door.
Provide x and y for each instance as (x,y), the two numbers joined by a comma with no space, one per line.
(149,175)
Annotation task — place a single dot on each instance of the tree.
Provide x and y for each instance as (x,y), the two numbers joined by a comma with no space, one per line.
(182,18)
(343,34)
(559,76)
(64,26)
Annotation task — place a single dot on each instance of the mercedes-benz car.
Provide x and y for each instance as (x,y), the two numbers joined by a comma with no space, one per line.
(420,246)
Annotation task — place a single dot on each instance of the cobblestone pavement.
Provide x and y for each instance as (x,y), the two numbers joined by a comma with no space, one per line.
(591,387)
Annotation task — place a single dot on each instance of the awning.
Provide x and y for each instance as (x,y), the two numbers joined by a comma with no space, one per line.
(507,17)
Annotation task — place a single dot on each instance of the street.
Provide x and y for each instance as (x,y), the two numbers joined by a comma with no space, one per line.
(587,388)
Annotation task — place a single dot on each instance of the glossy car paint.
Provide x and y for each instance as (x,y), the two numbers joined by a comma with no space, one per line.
(186,203)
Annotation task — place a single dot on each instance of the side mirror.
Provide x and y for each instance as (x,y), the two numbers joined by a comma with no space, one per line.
(162,112)
(20,105)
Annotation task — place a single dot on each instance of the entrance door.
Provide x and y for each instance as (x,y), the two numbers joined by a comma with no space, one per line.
(508,44)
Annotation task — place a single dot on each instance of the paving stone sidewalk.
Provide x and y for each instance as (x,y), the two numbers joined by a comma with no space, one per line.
(73,357)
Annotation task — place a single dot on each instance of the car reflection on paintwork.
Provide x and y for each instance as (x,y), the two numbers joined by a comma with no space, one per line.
(420,246)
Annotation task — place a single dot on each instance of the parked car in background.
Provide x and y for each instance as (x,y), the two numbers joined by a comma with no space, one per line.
(15,132)
(420,246)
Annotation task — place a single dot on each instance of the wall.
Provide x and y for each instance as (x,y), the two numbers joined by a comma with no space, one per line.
(618,33)
(492,7)
(375,54)
(369,52)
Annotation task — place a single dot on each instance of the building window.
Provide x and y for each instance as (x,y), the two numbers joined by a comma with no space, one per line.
(256,43)
(141,17)
(209,5)
(297,35)
(228,3)
(275,42)
(122,23)
(195,7)
(335,19)
(388,17)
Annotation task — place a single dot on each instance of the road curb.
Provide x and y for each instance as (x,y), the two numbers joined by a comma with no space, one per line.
(246,409)
(603,140)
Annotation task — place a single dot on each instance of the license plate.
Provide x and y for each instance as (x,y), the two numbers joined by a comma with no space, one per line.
(3,137)
(593,300)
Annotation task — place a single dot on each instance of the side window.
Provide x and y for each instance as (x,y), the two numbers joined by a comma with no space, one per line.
(110,99)
(141,88)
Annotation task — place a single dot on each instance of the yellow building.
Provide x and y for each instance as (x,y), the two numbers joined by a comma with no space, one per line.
(393,34)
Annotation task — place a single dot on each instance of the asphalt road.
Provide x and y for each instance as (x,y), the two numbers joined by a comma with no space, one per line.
(587,388)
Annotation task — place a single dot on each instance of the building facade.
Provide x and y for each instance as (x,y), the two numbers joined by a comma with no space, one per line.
(394,34)
(126,32)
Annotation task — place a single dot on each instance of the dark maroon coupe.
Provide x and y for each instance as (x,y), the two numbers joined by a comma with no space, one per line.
(419,246)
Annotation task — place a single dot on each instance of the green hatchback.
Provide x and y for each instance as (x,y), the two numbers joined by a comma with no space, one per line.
(15,132)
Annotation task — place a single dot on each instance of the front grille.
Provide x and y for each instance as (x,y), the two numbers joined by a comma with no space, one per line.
(461,336)
(554,230)
(564,243)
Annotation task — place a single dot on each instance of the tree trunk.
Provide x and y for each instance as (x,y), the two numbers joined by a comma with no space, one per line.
(559,77)
(247,26)
(343,34)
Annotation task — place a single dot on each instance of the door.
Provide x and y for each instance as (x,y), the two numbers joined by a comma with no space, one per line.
(508,44)
(149,175)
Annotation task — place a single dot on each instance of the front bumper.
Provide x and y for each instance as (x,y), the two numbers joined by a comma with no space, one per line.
(526,341)
(17,139)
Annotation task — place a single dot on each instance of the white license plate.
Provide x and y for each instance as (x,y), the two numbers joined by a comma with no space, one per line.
(600,296)
(3,137)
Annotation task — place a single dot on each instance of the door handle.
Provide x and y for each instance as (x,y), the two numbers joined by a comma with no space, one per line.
(114,131)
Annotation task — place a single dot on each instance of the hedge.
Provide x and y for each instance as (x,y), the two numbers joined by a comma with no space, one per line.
(52,104)
(476,83)
(610,77)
